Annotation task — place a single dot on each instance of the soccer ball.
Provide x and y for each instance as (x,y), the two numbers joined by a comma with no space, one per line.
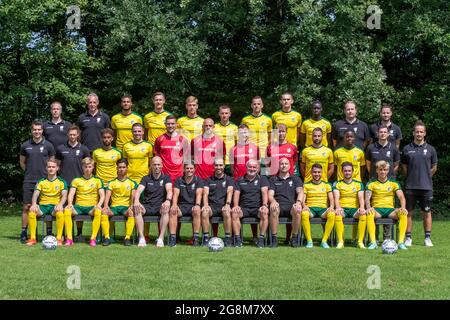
(215,244)
(389,247)
(49,243)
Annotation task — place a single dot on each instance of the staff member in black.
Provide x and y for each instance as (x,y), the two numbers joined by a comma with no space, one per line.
(351,122)
(419,163)
(55,130)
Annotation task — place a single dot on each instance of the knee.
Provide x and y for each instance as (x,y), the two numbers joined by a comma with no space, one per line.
(226,214)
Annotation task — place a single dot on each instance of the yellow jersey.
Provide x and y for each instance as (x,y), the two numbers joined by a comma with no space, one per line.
(138,155)
(348,193)
(87,190)
(260,128)
(322,156)
(383,193)
(355,156)
(122,124)
(50,191)
(317,194)
(292,120)
(309,125)
(154,122)
(190,127)
(121,191)
(229,134)
(105,163)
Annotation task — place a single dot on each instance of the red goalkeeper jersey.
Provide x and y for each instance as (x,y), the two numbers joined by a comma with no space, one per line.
(240,155)
(172,151)
(204,151)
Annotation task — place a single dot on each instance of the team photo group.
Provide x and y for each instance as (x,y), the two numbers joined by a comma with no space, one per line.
(267,167)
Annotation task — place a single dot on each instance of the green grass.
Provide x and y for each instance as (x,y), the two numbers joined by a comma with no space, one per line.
(118,272)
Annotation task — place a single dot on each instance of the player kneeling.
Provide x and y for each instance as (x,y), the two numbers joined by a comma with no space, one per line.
(318,201)
(89,198)
(121,193)
(380,194)
(349,203)
(52,194)
(285,197)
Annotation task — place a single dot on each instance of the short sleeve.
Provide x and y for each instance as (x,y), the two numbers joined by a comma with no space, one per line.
(199,184)
(330,156)
(51,150)
(264,182)
(434,158)
(363,159)
(328,127)
(177,183)
(298,182)
(167,180)
(396,156)
(113,123)
(303,128)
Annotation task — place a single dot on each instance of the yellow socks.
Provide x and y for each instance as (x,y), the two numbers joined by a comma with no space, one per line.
(129,226)
(68,224)
(402,223)
(339,225)
(59,224)
(96,223)
(105,225)
(371,226)
(362,228)
(32,223)
(306,225)
(331,216)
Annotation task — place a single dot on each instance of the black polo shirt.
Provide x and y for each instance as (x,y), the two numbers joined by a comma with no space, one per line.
(376,152)
(56,133)
(250,191)
(285,189)
(70,158)
(188,190)
(155,189)
(36,155)
(91,128)
(394,132)
(419,160)
(359,127)
(217,196)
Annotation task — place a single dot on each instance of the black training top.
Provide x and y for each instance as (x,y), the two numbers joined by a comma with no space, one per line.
(376,152)
(394,132)
(155,189)
(36,155)
(250,191)
(285,189)
(70,158)
(419,160)
(91,127)
(217,195)
(359,127)
(188,190)
(56,133)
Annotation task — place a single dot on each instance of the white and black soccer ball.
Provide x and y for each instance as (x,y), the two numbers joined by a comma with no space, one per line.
(215,244)
(49,243)
(389,247)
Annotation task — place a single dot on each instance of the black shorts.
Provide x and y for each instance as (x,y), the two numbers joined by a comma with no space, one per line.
(27,191)
(425,198)
(250,212)
(285,211)
(151,210)
(186,210)
(216,211)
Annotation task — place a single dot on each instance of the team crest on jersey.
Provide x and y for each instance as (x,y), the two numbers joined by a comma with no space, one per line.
(224,184)
(128,187)
(161,183)
(92,185)
(142,149)
(256,182)
(113,157)
(388,154)
(323,190)
(288,149)
(354,189)
(355,157)
(293,119)
(77,152)
(290,183)
(425,151)
(323,154)
(389,189)
(263,124)
(177,143)
(250,151)
(391,132)
(99,119)
(132,121)
(355,129)
(56,188)
(193,186)
(41,149)
(61,128)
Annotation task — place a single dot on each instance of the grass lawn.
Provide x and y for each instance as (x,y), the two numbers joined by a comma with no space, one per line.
(184,272)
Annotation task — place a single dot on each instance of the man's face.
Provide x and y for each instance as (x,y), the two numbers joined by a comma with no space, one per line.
(219,167)
(156,166)
(349,139)
(284,165)
(257,105)
(122,169)
(37,131)
(159,101)
(316,174)
(88,169)
(252,168)
(317,137)
(386,114)
(126,104)
(224,115)
(171,125)
(192,107)
(316,110)
(189,170)
(419,133)
(208,126)
(286,101)
(383,134)
(243,134)
(382,173)
(107,139)
(92,104)
(56,110)
(73,136)
(350,110)
(52,168)
(138,133)
(347,171)
(281,134)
